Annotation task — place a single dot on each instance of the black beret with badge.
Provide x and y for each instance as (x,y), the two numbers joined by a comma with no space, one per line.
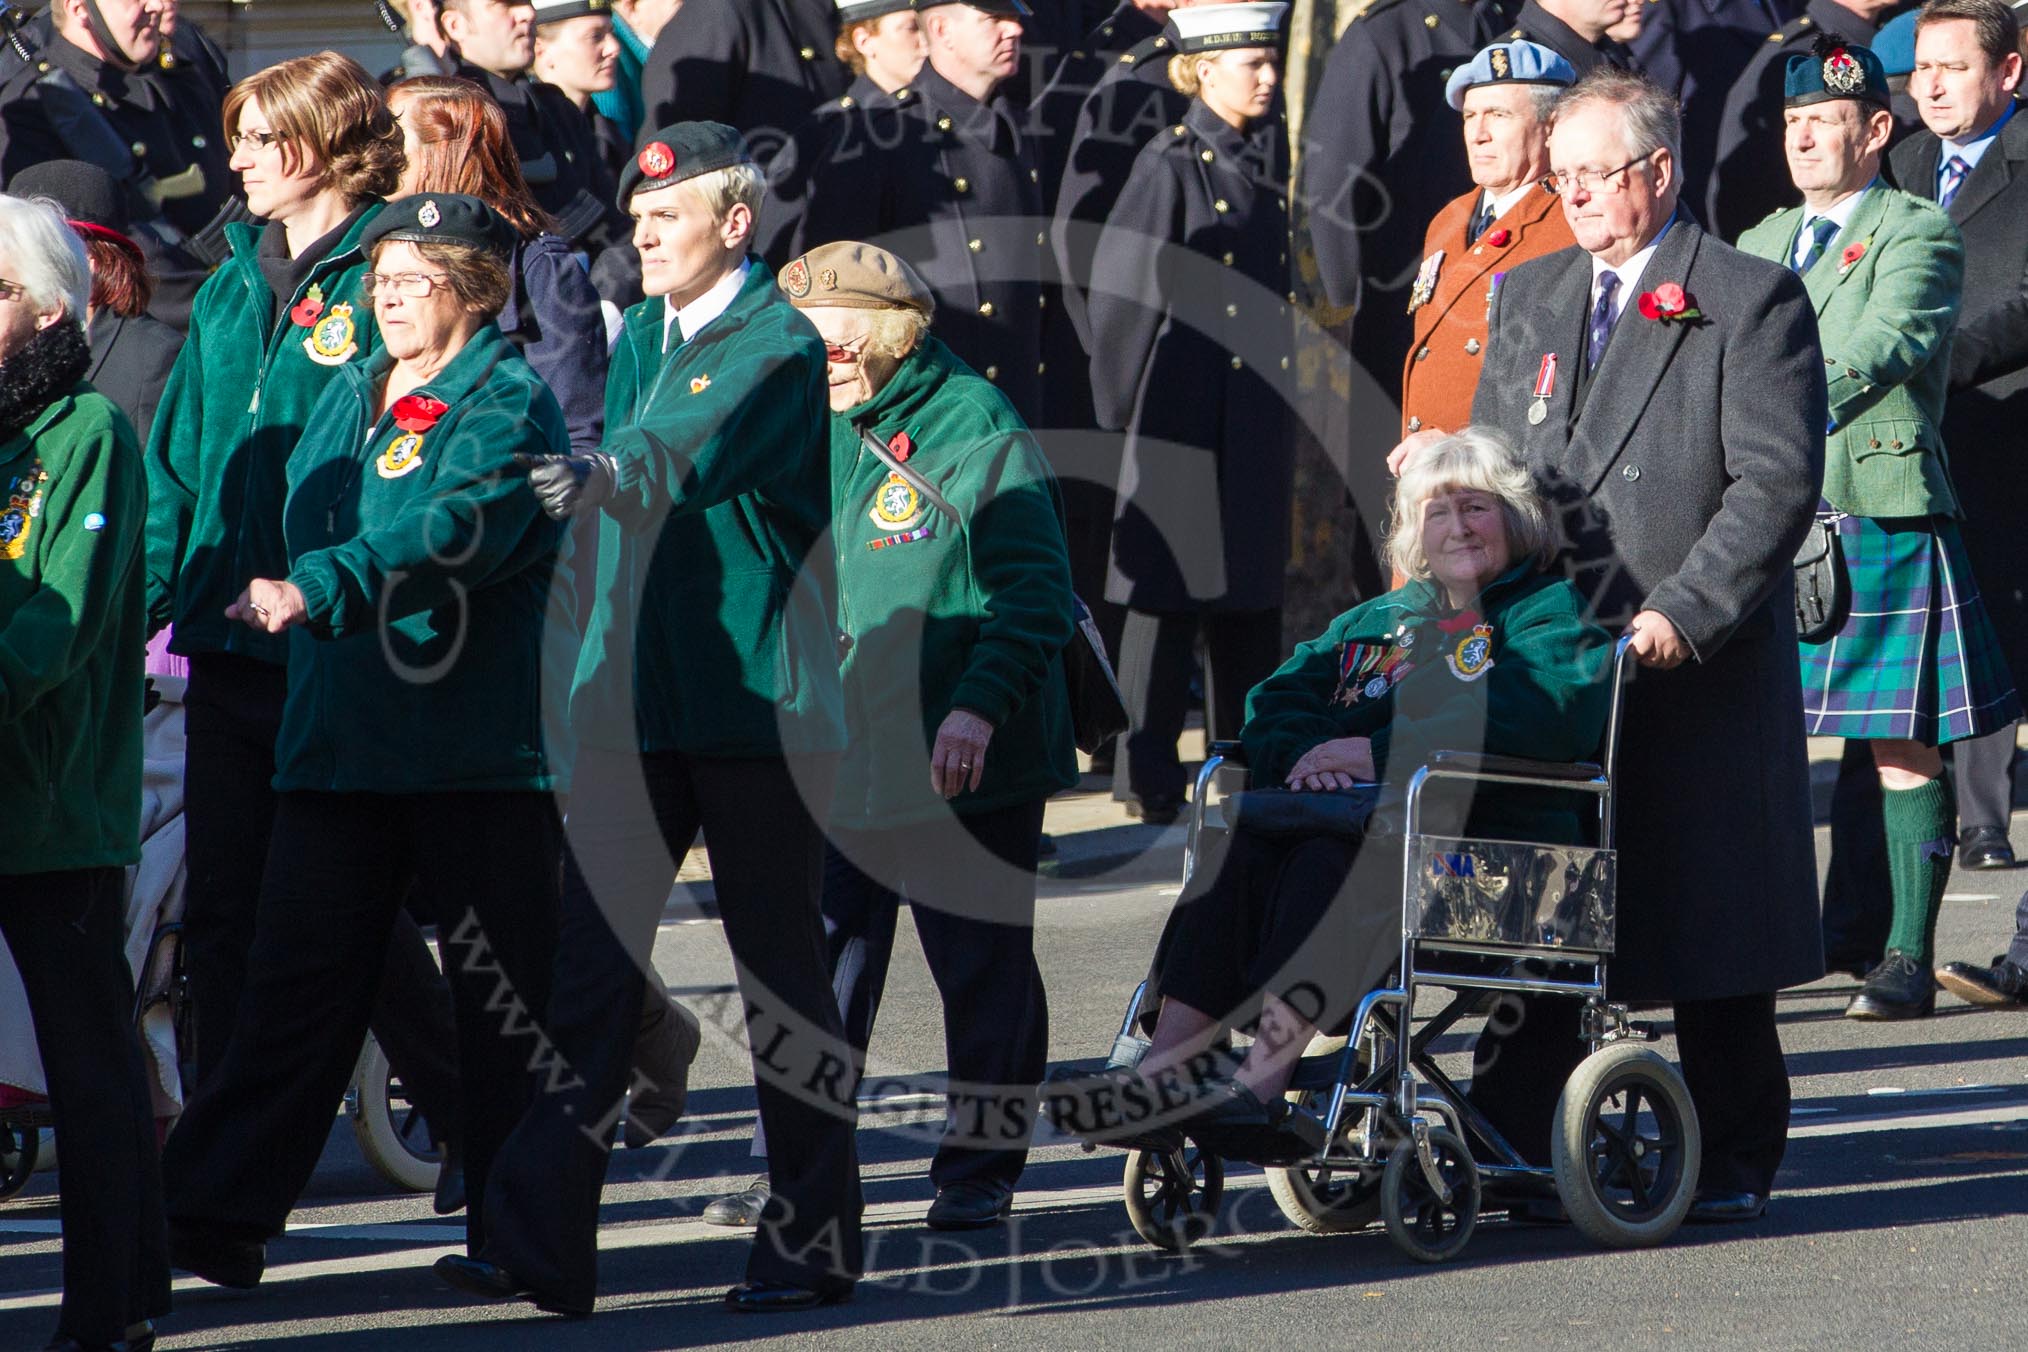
(681,151)
(1834,70)
(441,218)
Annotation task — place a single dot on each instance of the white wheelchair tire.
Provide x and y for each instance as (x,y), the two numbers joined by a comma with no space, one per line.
(1576,1144)
(409,1164)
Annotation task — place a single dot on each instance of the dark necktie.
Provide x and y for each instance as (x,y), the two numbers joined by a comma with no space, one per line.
(1601,319)
(1821,231)
(1482,221)
(1955,173)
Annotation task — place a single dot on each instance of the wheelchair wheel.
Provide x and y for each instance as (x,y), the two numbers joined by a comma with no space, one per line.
(1626,1147)
(1421,1224)
(19,1148)
(1326,1201)
(391,1131)
(1172,1196)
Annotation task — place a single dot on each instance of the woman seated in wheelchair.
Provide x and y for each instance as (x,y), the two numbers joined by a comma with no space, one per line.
(1481,650)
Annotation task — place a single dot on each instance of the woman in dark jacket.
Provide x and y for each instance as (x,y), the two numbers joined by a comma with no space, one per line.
(72,498)
(1189,307)
(1481,650)
(425,602)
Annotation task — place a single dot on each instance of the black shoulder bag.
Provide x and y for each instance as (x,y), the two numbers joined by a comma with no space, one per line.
(1823,586)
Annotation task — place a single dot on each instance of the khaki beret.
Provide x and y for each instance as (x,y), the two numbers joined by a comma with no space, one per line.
(860,276)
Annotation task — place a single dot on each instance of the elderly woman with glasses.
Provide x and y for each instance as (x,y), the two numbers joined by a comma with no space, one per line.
(1480,650)
(425,602)
(72,499)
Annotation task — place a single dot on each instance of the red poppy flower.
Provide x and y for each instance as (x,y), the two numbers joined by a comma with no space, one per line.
(902,447)
(1853,253)
(1498,238)
(305,312)
(1667,302)
(418,412)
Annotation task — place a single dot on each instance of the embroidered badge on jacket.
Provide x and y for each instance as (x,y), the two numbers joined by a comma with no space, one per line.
(333,338)
(896,505)
(1473,657)
(17,518)
(402,456)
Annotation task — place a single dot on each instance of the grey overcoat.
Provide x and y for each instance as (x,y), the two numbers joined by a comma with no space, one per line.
(1685,479)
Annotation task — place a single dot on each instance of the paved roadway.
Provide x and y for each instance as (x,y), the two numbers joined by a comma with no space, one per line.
(1900,1224)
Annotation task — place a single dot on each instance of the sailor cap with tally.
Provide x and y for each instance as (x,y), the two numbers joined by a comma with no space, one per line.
(859,11)
(679,151)
(1011,9)
(1211,28)
(857,276)
(1509,63)
(556,11)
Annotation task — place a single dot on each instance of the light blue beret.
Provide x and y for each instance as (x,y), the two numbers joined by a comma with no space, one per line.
(1508,63)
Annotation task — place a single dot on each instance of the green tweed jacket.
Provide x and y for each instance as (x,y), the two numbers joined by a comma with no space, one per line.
(1886,293)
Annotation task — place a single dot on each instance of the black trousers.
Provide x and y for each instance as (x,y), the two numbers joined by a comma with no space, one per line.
(1983,771)
(1858,894)
(971,883)
(232,716)
(632,817)
(1731,1055)
(338,863)
(68,934)
(1242,649)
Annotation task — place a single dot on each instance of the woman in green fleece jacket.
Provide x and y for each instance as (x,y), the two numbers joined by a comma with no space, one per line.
(72,500)
(952,615)
(1481,650)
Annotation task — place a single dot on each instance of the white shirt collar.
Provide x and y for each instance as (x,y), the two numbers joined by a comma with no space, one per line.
(1838,215)
(1502,205)
(1629,272)
(682,324)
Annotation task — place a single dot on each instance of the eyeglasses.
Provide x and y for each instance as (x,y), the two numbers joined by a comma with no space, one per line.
(256,140)
(11,290)
(414,285)
(1590,180)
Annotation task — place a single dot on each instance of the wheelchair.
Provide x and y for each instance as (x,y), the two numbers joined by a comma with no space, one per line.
(1399,1139)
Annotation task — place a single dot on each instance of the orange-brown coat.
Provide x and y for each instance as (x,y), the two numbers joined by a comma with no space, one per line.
(1442,366)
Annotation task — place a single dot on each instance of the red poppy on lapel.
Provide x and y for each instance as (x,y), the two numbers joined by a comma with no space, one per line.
(306,311)
(418,412)
(1669,303)
(1498,238)
(1853,253)
(902,447)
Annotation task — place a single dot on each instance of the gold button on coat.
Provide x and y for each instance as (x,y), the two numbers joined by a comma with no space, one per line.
(986,308)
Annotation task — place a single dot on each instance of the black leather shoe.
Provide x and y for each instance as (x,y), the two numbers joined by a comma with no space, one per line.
(664,1049)
(1114,1106)
(742,1210)
(969,1206)
(450,1190)
(490,1281)
(2003,985)
(1161,811)
(781,1297)
(218,1259)
(1237,1125)
(1985,847)
(138,1338)
(1726,1208)
(1899,988)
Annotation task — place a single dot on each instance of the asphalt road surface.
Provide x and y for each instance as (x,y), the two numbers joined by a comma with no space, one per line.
(1900,1221)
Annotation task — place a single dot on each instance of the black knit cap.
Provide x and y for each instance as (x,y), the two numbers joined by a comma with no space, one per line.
(84,191)
(681,151)
(441,218)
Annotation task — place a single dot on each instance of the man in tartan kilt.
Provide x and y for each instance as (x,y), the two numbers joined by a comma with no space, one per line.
(1916,663)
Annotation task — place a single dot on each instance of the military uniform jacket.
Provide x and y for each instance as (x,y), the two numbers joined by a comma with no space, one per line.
(940,614)
(155,130)
(1685,483)
(560,159)
(1192,332)
(238,400)
(439,644)
(1536,24)
(72,500)
(1988,404)
(1522,672)
(1696,50)
(947,182)
(1442,367)
(1382,155)
(131,362)
(1085,62)
(1749,174)
(713,631)
(1886,293)
(756,65)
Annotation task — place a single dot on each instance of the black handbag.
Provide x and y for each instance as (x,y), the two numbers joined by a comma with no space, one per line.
(1343,813)
(1823,586)
(1098,711)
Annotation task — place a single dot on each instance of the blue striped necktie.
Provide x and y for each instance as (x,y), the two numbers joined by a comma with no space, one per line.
(1954,175)
(1821,231)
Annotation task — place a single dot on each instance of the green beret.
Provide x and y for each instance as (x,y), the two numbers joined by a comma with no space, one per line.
(1835,70)
(441,217)
(684,150)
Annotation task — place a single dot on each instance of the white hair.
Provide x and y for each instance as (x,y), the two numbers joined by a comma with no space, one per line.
(1476,459)
(46,254)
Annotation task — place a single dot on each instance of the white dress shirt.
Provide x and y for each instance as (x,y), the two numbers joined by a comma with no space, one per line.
(1629,274)
(681,325)
(1838,214)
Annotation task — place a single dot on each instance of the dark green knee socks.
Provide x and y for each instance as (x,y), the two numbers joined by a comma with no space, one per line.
(1920,823)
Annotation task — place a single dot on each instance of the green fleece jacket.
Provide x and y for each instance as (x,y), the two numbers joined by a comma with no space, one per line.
(73,501)
(238,400)
(441,640)
(940,614)
(713,628)
(1521,673)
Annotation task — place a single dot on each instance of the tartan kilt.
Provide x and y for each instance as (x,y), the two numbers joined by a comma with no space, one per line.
(1918,657)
